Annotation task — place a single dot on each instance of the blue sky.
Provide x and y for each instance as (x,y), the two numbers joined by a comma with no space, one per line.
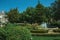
(6,5)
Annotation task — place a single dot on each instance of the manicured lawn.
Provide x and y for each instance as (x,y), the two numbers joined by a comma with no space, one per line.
(46,37)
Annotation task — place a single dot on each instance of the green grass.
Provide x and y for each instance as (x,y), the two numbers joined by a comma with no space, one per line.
(46,37)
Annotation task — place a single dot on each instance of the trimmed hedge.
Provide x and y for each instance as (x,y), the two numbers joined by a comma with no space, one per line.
(43,34)
(39,31)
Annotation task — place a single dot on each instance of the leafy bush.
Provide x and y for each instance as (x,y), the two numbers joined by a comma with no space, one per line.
(17,33)
(57,30)
(55,24)
(2,34)
(29,26)
(43,31)
(14,32)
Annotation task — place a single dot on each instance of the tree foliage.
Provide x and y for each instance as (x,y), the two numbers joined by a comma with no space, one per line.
(31,15)
(13,15)
(37,14)
(56,9)
(55,14)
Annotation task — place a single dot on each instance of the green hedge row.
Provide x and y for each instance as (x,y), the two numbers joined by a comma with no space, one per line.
(39,31)
(43,34)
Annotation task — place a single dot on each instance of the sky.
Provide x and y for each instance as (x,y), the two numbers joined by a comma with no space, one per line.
(6,5)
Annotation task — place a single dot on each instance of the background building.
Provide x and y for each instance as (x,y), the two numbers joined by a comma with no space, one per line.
(3,19)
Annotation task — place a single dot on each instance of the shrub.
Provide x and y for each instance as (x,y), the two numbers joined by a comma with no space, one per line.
(2,34)
(56,30)
(18,33)
(43,31)
(40,31)
(29,26)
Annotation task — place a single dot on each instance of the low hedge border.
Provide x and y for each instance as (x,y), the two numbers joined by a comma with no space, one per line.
(39,31)
(45,34)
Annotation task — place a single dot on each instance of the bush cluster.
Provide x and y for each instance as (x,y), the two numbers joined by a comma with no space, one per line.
(2,34)
(15,33)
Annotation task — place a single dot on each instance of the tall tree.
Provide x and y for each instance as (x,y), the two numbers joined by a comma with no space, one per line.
(56,9)
(13,15)
(40,13)
(28,15)
(55,14)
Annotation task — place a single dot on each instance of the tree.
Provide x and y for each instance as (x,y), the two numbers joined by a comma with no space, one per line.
(56,10)
(40,13)
(27,15)
(55,13)
(30,14)
(13,15)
